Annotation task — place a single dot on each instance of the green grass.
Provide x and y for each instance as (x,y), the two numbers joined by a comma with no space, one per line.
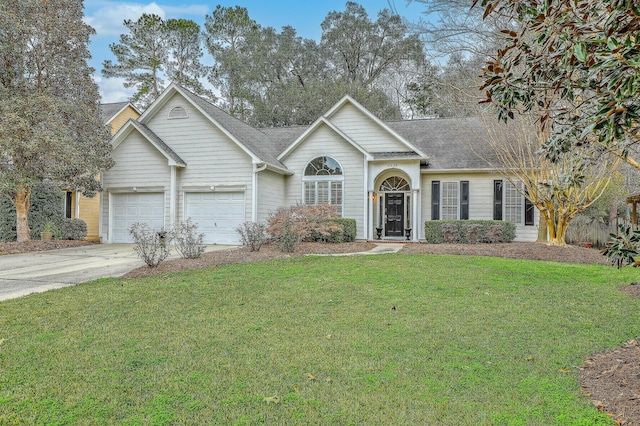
(472,341)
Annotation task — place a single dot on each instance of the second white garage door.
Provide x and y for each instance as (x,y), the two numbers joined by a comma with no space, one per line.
(217,215)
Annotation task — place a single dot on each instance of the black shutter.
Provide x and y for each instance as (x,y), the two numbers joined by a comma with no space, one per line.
(497,199)
(67,204)
(464,199)
(435,200)
(529,212)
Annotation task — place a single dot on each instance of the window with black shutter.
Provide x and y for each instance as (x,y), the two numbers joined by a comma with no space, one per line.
(435,200)
(497,199)
(529,212)
(464,199)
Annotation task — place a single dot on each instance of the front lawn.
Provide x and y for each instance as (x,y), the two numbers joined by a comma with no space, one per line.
(392,339)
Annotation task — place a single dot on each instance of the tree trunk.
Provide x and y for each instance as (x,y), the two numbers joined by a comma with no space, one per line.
(22,207)
(542,230)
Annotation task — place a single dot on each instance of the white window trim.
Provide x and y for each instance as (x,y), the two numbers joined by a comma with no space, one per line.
(506,182)
(442,183)
(323,178)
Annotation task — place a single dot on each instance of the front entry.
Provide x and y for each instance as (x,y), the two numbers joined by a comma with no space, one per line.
(394,207)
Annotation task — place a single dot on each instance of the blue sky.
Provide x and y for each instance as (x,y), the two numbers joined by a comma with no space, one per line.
(106,17)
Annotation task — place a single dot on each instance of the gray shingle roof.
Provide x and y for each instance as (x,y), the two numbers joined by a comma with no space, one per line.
(450,143)
(109,110)
(253,139)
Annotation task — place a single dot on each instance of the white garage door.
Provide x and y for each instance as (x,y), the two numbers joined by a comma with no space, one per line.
(217,215)
(136,207)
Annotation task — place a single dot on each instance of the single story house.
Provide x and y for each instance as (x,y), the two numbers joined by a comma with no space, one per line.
(186,158)
(76,205)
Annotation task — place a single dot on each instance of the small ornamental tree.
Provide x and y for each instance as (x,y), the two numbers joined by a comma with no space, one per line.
(291,225)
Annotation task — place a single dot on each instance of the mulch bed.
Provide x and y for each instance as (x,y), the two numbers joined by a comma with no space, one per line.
(611,379)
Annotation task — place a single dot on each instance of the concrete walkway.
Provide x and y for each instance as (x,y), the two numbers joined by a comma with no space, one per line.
(381,248)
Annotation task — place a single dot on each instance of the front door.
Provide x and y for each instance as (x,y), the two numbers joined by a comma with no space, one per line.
(394,206)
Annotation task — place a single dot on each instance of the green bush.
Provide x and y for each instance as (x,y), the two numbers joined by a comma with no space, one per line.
(71,229)
(469,231)
(338,230)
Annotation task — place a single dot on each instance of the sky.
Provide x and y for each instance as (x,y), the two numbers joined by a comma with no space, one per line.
(107,16)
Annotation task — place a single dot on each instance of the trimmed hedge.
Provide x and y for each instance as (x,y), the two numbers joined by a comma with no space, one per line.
(469,231)
(346,233)
(71,229)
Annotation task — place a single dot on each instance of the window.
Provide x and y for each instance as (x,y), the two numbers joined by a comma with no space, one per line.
(450,200)
(509,204)
(178,112)
(323,183)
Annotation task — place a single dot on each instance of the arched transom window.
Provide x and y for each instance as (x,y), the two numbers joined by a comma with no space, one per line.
(178,112)
(323,181)
(395,183)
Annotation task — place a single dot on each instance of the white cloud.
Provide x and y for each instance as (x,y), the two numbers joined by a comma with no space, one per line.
(106,16)
(107,19)
(112,89)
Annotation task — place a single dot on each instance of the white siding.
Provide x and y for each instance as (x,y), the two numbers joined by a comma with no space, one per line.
(137,164)
(364,131)
(325,142)
(480,200)
(212,158)
(271,193)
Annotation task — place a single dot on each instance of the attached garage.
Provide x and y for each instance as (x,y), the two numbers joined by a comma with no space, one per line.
(129,208)
(217,215)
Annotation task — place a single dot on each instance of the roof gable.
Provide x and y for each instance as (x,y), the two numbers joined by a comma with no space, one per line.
(172,157)
(307,133)
(351,131)
(110,111)
(250,140)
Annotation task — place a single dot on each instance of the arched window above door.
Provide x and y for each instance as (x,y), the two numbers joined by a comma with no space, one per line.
(395,183)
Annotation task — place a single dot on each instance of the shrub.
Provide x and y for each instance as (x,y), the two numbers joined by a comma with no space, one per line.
(70,229)
(347,232)
(187,240)
(469,231)
(290,225)
(624,247)
(151,245)
(253,235)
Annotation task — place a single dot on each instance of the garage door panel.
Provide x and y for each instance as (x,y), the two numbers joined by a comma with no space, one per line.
(217,215)
(131,208)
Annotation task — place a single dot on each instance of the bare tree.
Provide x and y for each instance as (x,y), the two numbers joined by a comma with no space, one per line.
(559,189)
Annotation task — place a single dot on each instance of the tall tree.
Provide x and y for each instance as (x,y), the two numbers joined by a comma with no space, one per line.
(361,50)
(559,189)
(50,123)
(579,62)
(452,26)
(226,32)
(183,38)
(141,58)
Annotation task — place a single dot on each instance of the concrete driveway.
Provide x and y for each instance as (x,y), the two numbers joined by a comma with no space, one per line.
(22,274)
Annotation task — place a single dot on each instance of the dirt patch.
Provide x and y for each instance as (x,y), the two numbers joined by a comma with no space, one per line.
(39,245)
(611,379)
(530,251)
(243,255)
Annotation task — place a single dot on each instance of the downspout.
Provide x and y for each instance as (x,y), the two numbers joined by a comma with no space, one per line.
(257,168)
(77,213)
(367,231)
(172,198)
